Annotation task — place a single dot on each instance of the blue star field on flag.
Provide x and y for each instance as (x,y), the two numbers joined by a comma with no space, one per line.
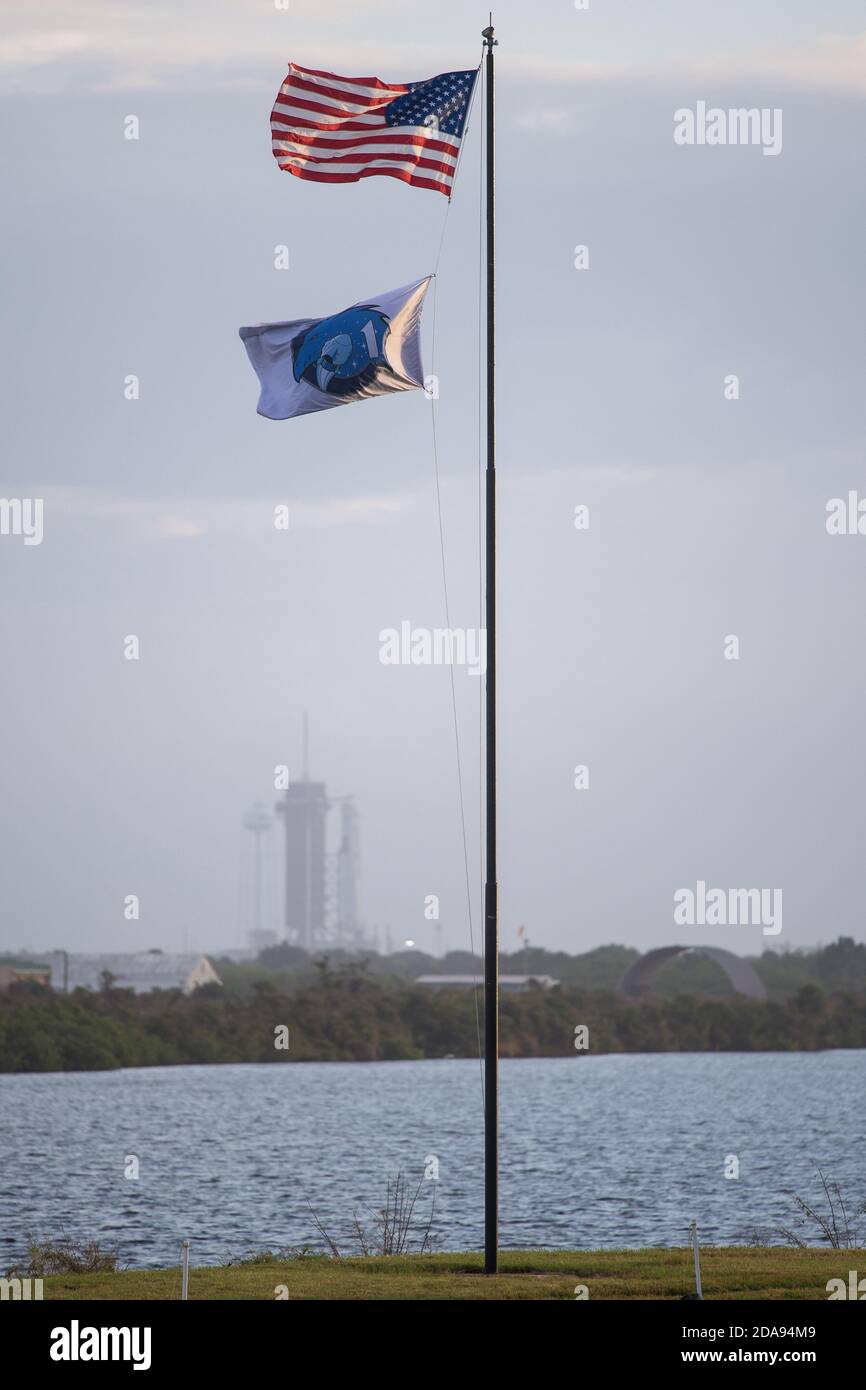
(441,102)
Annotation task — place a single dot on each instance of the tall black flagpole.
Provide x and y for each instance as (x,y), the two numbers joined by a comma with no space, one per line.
(491,915)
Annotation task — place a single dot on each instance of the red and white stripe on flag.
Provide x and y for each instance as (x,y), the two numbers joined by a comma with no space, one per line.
(336,130)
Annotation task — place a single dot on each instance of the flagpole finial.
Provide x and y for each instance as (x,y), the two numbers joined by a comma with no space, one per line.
(487,35)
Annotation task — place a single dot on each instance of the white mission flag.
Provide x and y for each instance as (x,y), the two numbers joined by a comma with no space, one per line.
(370,349)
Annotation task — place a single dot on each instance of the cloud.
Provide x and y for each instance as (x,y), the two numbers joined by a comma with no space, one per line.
(35,48)
(835,63)
(547,121)
(191,519)
(832,63)
(81,45)
(87,45)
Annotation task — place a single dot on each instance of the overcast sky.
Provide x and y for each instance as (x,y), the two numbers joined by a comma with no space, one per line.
(707,515)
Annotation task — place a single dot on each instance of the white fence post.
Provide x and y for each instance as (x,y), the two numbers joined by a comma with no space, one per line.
(693,1234)
(184,1292)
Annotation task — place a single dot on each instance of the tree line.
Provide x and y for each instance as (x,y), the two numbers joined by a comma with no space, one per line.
(347,1013)
(840,965)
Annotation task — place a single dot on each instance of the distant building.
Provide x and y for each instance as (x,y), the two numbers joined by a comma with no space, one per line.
(348,868)
(511,984)
(636,982)
(13,975)
(140,971)
(304,810)
(321,878)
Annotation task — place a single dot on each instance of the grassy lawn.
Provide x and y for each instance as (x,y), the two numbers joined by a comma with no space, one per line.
(730,1273)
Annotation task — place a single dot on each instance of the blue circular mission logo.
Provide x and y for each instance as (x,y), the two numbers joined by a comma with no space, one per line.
(340,355)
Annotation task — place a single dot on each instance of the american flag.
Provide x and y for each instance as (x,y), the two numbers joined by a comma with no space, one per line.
(341,129)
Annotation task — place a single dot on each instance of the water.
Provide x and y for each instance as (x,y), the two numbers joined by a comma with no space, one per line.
(596,1151)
